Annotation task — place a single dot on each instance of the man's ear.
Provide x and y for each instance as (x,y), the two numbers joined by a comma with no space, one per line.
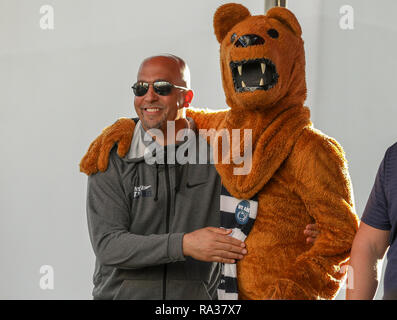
(287,18)
(188,98)
(226,17)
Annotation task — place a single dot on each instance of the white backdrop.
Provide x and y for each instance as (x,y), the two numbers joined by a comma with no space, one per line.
(60,87)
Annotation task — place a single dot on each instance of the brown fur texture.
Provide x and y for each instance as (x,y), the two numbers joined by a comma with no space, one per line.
(299,173)
(97,156)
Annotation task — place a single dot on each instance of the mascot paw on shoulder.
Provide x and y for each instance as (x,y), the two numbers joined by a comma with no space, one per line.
(298,175)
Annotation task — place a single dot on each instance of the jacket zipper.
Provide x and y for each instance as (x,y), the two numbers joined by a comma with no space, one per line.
(167,221)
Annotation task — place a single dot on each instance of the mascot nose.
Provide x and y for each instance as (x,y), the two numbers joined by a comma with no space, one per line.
(249,40)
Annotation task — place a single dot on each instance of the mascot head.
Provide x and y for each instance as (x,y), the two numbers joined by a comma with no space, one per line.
(262,58)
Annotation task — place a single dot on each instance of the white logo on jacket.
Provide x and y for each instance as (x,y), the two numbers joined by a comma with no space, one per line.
(144,191)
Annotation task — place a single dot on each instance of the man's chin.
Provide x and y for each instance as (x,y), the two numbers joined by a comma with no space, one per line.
(148,125)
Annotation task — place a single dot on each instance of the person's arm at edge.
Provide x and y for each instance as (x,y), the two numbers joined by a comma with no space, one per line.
(369,246)
(370,243)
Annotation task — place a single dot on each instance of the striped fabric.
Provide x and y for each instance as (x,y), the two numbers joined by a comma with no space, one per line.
(238,215)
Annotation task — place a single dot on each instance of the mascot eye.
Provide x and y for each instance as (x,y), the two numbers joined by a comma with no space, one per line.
(233,38)
(273,33)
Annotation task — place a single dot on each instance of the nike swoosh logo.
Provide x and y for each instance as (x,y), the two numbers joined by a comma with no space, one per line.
(192,185)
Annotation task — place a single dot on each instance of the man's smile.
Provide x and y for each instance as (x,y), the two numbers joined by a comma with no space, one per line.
(151,110)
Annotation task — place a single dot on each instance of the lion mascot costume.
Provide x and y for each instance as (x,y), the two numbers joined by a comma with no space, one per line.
(298,175)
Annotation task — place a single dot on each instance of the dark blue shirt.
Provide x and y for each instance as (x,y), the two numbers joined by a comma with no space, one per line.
(381,213)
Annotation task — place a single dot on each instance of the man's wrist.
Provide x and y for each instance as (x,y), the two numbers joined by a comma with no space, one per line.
(175,247)
(185,245)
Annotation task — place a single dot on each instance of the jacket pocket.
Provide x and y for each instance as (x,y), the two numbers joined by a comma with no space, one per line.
(140,290)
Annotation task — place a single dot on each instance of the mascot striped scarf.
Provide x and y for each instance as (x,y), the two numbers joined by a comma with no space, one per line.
(238,215)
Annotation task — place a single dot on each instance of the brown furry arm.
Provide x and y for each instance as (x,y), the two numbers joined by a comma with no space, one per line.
(97,156)
(206,119)
(320,177)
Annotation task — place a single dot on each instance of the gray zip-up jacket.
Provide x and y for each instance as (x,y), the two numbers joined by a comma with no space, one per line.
(137,216)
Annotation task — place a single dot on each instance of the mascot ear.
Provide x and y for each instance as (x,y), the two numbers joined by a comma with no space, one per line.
(287,18)
(226,17)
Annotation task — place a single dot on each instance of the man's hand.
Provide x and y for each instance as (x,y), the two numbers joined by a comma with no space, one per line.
(213,245)
(311,232)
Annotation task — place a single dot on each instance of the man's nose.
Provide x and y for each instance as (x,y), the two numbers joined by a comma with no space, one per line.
(249,40)
(151,95)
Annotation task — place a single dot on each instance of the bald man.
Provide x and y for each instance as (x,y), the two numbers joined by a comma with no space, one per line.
(154,227)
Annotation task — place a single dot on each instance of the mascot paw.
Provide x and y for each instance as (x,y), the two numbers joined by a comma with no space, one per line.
(285,289)
(97,156)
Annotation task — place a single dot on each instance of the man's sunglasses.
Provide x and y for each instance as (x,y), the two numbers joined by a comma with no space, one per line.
(162,88)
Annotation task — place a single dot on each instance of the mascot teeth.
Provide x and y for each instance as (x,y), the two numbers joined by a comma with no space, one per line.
(258,74)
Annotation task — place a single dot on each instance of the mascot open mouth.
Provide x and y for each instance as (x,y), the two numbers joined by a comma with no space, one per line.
(252,75)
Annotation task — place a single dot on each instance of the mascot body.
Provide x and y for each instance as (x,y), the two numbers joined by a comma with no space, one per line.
(298,175)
